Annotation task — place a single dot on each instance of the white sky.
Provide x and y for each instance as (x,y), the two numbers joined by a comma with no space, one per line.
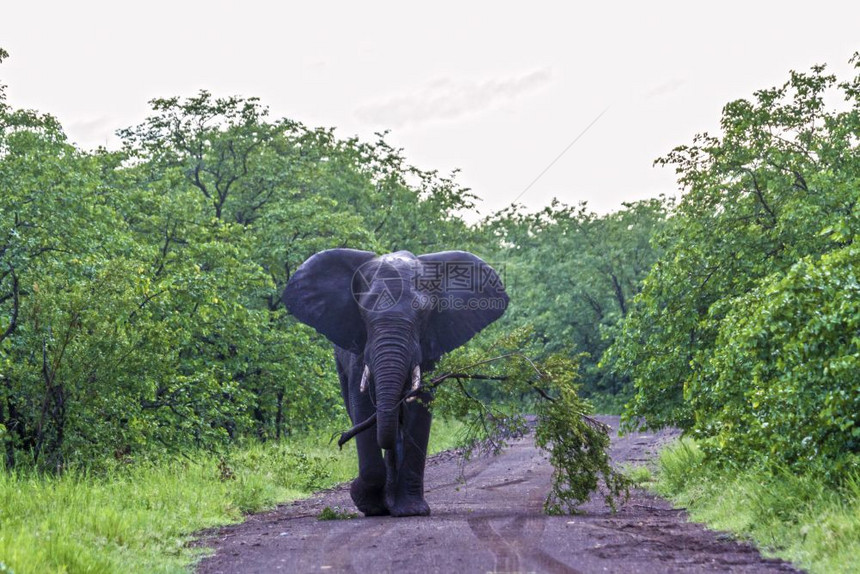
(496,89)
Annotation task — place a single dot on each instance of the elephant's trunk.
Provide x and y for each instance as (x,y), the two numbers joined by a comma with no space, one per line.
(392,362)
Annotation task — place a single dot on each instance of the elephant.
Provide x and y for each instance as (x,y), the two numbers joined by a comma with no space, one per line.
(391,318)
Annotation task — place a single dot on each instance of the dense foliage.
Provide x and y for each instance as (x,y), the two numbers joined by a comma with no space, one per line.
(139,289)
(574,274)
(794,342)
(746,330)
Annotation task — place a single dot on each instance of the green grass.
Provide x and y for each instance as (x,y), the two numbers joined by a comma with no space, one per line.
(640,476)
(336,513)
(796,517)
(141,517)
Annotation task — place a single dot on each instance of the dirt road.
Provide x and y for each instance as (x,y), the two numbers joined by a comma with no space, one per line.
(492,522)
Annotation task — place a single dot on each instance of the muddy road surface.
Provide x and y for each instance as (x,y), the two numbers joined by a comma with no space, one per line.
(487,517)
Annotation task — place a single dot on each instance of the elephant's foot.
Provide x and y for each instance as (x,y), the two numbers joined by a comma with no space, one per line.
(369,499)
(412,506)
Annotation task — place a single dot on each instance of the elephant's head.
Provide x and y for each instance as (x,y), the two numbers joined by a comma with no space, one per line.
(401,311)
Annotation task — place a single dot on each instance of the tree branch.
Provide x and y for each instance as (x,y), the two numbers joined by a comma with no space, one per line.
(16,304)
(435,382)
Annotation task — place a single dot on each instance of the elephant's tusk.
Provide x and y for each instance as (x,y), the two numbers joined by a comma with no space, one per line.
(416,382)
(364,378)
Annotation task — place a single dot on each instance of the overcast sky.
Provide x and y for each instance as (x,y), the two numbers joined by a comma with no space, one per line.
(496,89)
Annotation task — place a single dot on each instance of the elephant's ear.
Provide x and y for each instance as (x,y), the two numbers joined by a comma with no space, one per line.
(466,295)
(320,294)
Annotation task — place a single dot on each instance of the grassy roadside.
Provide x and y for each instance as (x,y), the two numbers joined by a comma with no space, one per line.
(139,518)
(795,517)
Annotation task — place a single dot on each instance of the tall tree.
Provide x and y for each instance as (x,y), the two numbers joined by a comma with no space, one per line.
(778,185)
(574,274)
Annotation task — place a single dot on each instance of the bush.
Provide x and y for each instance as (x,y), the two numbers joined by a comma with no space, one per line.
(784,380)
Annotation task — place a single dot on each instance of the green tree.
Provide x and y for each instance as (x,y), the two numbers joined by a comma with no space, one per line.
(574,274)
(780,185)
(786,369)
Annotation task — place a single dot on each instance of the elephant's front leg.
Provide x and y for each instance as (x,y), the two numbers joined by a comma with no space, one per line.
(404,489)
(368,489)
